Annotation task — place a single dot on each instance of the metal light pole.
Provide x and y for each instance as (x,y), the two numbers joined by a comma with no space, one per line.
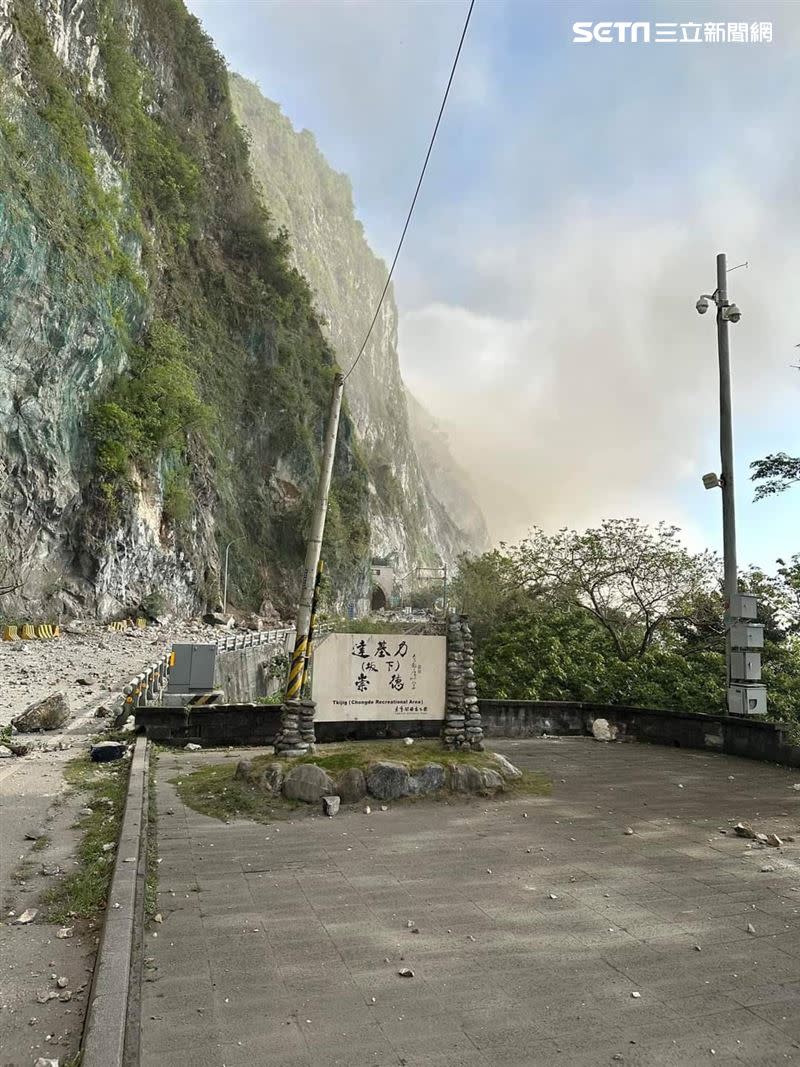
(726,312)
(225,582)
(726,435)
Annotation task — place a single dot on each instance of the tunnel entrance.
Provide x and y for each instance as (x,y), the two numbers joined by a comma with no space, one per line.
(378,602)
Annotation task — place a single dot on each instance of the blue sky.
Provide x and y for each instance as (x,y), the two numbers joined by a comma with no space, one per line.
(573,208)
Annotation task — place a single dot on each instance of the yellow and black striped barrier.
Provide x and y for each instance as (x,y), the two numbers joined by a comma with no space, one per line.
(141,623)
(118,625)
(29,631)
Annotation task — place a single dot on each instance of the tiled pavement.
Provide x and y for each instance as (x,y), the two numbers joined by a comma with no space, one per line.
(533,932)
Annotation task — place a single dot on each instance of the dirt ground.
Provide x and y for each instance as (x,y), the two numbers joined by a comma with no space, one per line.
(90,668)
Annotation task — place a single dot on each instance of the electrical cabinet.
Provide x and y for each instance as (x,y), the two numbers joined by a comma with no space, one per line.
(745,666)
(747,699)
(742,606)
(747,635)
(193,670)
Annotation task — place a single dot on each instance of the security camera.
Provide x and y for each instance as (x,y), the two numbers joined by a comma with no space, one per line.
(702,305)
(732,313)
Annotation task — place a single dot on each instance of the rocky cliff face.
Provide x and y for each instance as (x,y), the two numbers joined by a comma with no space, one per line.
(163,376)
(421,508)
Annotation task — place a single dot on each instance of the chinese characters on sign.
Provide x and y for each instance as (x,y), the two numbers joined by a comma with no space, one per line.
(672,32)
(379,676)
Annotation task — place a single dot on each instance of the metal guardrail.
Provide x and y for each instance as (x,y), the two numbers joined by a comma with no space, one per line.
(253,638)
(147,688)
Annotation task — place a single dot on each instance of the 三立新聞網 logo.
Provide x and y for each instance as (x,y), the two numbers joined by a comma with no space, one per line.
(672,32)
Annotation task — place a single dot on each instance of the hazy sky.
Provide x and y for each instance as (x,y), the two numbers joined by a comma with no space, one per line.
(574,205)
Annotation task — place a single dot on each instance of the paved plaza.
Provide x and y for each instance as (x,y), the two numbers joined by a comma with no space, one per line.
(528,937)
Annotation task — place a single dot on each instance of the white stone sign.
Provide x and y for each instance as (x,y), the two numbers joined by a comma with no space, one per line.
(379,676)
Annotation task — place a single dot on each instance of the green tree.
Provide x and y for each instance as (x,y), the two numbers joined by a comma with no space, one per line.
(636,580)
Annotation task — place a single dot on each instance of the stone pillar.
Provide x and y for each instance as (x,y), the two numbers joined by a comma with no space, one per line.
(307,710)
(471,708)
(462,720)
(289,741)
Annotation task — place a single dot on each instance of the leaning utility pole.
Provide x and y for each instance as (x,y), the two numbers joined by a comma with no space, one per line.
(297,719)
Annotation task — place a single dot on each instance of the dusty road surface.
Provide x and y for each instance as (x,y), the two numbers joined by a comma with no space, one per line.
(556,939)
(90,668)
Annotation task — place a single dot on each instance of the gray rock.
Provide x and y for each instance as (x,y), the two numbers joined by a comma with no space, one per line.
(5,752)
(602,730)
(352,786)
(330,805)
(464,778)
(47,714)
(271,779)
(388,781)
(507,768)
(244,770)
(308,782)
(431,778)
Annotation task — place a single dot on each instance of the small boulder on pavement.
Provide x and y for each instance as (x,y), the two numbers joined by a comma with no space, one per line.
(602,730)
(47,714)
(106,751)
(330,805)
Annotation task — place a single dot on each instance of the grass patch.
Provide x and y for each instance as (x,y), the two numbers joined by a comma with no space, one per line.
(83,894)
(40,844)
(215,792)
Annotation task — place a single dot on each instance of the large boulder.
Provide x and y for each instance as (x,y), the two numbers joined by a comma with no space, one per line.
(603,730)
(47,714)
(244,770)
(464,778)
(271,779)
(351,786)
(507,768)
(429,779)
(308,782)
(388,781)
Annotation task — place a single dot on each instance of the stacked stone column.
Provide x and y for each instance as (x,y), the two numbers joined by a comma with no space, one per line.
(471,708)
(462,721)
(296,735)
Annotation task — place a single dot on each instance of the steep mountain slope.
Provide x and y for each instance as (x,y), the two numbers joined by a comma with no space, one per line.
(163,376)
(421,510)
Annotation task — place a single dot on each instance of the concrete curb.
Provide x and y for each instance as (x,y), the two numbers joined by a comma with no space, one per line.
(104,1032)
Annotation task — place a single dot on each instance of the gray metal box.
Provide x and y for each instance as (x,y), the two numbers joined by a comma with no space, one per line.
(193,669)
(742,606)
(746,666)
(747,699)
(747,635)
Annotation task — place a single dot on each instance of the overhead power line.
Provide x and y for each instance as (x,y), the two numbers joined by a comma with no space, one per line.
(416,192)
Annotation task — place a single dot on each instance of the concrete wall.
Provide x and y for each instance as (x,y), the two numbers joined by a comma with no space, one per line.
(243,674)
(752,738)
(257,724)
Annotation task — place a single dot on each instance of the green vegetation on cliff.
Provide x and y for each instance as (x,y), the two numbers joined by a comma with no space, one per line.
(144,191)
